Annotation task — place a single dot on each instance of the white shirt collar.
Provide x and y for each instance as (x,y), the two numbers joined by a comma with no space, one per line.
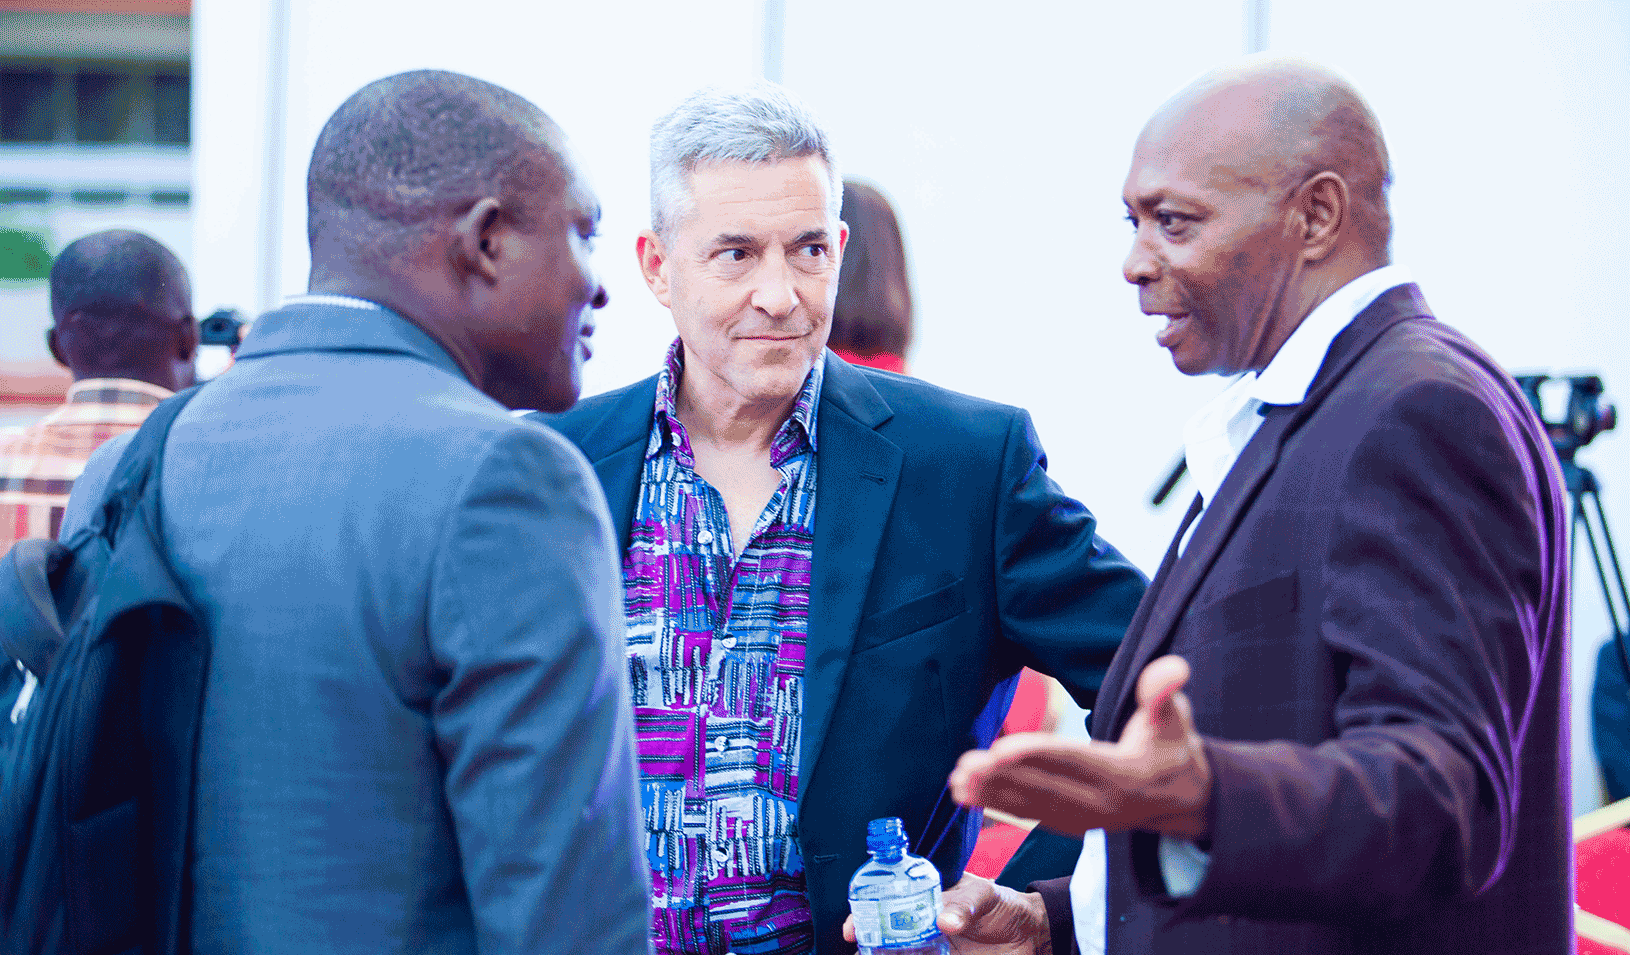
(1291,371)
(1219,431)
(336,301)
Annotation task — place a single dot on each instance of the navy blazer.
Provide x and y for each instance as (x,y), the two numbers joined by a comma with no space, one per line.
(945,560)
(1375,608)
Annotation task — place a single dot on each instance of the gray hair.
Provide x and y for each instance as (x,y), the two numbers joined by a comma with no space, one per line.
(762,123)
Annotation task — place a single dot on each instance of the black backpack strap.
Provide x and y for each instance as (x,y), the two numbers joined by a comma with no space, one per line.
(41,583)
(138,465)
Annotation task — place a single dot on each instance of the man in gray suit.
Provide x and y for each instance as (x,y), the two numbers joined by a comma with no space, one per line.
(416,733)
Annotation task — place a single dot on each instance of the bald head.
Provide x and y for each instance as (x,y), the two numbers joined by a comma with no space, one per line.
(122,308)
(416,148)
(1276,122)
(118,271)
(1256,193)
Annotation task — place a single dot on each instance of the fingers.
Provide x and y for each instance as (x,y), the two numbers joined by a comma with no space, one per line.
(849,928)
(968,776)
(962,903)
(1158,688)
(1059,782)
(971,780)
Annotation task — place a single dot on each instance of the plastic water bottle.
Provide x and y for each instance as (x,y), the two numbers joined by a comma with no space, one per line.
(895,897)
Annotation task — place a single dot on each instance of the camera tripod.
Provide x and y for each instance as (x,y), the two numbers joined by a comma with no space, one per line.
(1583,488)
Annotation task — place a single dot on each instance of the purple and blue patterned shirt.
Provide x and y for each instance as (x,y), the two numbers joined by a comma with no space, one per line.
(716,662)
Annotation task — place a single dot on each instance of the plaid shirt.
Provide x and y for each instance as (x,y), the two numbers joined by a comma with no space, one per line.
(38,464)
(716,660)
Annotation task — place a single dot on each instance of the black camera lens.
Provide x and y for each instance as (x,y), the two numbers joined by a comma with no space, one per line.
(222,327)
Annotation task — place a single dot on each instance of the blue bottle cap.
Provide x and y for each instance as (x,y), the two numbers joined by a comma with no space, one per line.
(885,834)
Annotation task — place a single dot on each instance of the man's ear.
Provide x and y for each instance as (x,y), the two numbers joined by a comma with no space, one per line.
(478,241)
(1322,203)
(843,239)
(54,347)
(188,340)
(653,264)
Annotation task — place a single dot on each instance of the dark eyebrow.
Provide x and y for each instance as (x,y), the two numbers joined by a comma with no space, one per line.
(732,240)
(813,235)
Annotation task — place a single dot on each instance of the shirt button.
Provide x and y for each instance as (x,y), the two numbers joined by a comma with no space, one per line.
(729,643)
(704,537)
(721,743)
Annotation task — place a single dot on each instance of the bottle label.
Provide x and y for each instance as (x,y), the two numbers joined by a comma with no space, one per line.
(907,920)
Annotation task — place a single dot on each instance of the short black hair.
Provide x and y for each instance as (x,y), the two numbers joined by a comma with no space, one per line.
(410,148)
(117,272)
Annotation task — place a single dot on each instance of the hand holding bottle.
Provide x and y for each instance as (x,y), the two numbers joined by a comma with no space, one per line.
(979,917)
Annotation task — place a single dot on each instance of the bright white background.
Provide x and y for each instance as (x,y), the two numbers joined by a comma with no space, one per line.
(1003,134)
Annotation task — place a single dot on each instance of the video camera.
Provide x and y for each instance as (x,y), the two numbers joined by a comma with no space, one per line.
(222,327)
(1587,415)
(218,337)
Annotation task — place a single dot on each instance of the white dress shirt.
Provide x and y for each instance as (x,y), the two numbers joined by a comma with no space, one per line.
(1212,442)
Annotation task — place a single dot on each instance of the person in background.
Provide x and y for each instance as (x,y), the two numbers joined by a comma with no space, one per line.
(1339,722)
(833,575)
(1610,720)
(121,306)
(872,320)
(416,734)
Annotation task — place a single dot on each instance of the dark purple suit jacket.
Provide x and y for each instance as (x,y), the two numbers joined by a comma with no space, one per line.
(1375,610)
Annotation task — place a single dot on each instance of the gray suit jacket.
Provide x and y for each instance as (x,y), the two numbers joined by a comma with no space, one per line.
(416,732)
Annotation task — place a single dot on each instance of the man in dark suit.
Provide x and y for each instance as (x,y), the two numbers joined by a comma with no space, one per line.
(416,736)
(1338,721)
(833,574)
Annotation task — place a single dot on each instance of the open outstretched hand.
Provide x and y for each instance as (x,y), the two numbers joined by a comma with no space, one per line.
(1155,777)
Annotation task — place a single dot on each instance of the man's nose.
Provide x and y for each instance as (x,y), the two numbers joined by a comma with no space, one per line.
(776,292)
(1140,267)
(600,298)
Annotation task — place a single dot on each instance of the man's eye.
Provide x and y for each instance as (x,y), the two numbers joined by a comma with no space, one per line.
(1129,217)
(733,255)
(814,249)
(1171,222)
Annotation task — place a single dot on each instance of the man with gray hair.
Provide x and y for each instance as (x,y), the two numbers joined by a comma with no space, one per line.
(832,575)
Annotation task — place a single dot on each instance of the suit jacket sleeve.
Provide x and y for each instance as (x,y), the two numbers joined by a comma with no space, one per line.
(533,724)
(1435,595)
(1063,593)
(1055,896)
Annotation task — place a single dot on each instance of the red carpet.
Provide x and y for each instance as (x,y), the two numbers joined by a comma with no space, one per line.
(1604,883)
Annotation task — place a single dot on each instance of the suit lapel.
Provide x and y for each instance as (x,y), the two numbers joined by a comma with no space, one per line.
(615,445)
(858,471)
(1167,603)
(620,476)
(1216,525)
(1100,723)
